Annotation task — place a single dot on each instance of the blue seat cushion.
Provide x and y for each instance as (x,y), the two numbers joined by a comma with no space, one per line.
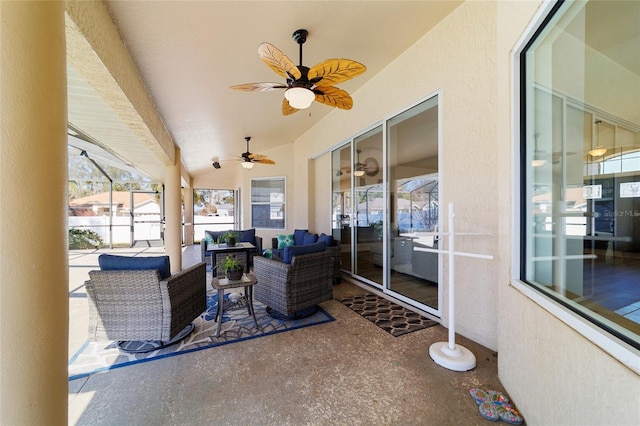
(327,239)
(110,262)
(291,251)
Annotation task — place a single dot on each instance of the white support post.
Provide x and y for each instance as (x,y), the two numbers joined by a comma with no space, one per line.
(448,354)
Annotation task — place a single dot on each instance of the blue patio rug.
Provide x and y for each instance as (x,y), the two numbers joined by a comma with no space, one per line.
(237,325)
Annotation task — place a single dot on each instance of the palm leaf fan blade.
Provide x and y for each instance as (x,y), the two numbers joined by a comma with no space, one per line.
(265,161)
(334,71)
(333,96)
(287,109)
(259,87)
(278,61)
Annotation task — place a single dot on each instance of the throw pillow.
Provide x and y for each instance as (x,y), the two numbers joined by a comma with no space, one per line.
(327,239)
(285,240)
(309,238)
(267,253)
(247,236)
(298,236)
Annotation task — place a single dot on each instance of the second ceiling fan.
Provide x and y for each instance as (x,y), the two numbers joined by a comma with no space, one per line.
(304,85)
(249,158)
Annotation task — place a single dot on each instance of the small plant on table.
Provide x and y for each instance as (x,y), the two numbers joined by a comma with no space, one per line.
(231,268)
(229,238)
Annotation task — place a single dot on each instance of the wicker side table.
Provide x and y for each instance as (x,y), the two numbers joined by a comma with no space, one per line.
(222,284)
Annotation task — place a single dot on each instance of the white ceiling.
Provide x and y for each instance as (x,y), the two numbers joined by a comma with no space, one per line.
(189,53)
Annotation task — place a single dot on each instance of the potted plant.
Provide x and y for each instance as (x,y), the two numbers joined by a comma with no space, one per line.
(231,268)
(229,238)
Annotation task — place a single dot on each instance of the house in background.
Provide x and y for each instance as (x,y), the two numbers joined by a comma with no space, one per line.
(476,97)
(98,204)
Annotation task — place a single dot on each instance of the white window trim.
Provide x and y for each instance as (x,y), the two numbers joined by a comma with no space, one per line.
(251,203)
(621,351)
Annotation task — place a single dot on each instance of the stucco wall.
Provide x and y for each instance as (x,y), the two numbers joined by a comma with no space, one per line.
(455,64)
(553,373)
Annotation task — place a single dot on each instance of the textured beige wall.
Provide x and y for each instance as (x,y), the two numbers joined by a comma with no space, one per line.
(457,64)
(34,308)
(554,374)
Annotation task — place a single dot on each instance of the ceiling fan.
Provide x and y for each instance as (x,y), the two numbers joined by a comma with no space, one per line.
(249,159)
(304,85)
(370,166)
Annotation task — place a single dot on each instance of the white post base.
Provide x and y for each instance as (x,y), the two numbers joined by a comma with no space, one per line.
(457,359)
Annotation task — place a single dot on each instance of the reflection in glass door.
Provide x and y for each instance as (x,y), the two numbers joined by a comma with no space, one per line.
(414,204)
(341,202)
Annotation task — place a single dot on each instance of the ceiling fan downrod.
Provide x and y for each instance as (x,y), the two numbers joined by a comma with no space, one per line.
(300,36)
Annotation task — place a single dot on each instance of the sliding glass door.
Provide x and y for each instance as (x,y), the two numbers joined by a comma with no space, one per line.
(414,204)
(385,206)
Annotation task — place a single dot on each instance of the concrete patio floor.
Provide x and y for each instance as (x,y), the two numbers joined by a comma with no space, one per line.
(348,371)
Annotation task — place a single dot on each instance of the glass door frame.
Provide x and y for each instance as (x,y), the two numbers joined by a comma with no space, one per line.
(385,286)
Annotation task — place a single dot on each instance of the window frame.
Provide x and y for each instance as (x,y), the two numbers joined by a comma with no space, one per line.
(620,349)
(253,203)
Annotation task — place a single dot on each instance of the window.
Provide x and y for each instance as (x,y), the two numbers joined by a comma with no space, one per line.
(580,144)
(268,203)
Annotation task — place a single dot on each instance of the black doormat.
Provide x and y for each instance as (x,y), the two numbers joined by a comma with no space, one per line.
(390,317)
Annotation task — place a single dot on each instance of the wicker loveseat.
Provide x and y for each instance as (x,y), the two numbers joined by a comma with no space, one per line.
(292,288)
(136,299)
(304,237)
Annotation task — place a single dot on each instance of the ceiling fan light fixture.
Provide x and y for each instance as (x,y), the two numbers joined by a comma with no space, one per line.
(538,163)
(597,151)
(358,173)
(247,164)
(299,97)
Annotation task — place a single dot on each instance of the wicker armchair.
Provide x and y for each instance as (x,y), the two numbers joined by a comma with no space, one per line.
(290,289)
(136,305)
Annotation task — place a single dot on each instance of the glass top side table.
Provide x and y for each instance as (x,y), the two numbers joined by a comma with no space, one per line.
(222,284)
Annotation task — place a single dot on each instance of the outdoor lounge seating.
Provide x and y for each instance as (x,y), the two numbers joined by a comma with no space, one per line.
(303,237)
(135,301)
(294,289)
(245,236)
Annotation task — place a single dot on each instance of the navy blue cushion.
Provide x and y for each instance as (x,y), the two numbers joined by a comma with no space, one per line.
(247,236)
(298,236)
(327,239)
(290,252)
(110,262)
(277,253)
(310,238)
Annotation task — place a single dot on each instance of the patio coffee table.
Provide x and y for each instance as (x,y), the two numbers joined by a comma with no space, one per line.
(222,284)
